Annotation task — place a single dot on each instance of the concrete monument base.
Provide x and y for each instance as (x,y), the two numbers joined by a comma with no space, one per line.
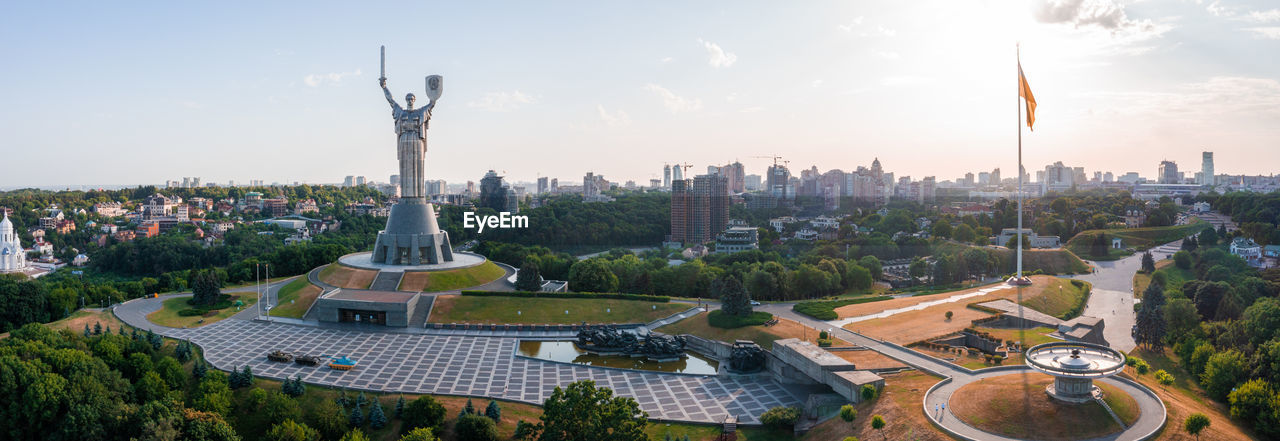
(412,236)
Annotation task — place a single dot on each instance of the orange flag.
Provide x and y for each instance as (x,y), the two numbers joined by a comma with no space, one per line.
(1024,91)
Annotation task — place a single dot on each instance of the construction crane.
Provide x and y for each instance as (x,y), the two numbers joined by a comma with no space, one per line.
(775,159)
(686,167)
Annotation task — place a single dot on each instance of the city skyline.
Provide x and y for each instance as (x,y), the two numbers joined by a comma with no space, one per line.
(565,89)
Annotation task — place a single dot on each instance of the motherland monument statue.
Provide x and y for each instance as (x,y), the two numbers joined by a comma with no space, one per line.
(412,235)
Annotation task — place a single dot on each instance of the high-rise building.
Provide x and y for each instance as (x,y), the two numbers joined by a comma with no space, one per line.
(666,176)
(752,183)
(360,181)
(496,194)
(555,185)
(984,178)
(436,186)
(995,176)
(968,179)
(677,173)
(393,179)
(779,178)
(348,181)
(1206,169)
(736,174)
(699,208)
(1108,177)
(1168,173)
(544,184)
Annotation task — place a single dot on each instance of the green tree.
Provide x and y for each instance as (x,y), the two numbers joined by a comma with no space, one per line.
(869,392)
(150,387)
(872,263)
(1164,378)
(279,407)
(1180,317)
(290,430)
(329,418)
(964,233)
(584,412)
(734,299)
(1148,263)
(472,427)
(1253,402)
(354,435)
(423,412)
(1222,372)
(1262,319)
(212,394)
(761,284)
(1100,246)
(1195,424)
(877,422)
(858,276)
(206,426)
(1182,260)
(419,434)
(493,411)
(1151,324)
(528,278)
(592,275)
(205,287)
(400,407)
(356,417)
(377,418)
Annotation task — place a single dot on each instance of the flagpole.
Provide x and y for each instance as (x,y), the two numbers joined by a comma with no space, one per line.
(1020,172)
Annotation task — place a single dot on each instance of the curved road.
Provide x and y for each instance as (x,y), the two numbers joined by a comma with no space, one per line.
(134,312)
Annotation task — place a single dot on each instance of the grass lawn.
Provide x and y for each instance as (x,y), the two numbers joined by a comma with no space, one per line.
(899,404)
(347,277)
(1121,403)
(1060,298)
(499,310)
(700,326)
(1034,336)
(1015,405)
(449,280)
(658,431)
(1137,238)
(911,326)
(295,298)
(167,315)
(78,319)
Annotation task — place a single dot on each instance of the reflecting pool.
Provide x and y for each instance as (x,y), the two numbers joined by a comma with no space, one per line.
(567,351)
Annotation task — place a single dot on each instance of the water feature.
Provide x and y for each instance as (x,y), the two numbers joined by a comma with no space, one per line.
(568,352)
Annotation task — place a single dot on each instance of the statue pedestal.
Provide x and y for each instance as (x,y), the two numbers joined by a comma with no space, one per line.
(412,236)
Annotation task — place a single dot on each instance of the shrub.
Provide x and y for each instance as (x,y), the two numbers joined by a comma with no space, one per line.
(869,392)
(848,413)
(192,312)
(721,320)
(823,335)
(472,427)
(424,412)
(1142,367)
(997,359)
(825,342)
(949,315)
(781,417)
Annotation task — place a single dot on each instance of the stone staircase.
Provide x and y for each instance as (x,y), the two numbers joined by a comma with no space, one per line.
(386,281)
(421,311)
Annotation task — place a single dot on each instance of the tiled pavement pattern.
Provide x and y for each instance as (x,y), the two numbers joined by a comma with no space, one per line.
(475,366)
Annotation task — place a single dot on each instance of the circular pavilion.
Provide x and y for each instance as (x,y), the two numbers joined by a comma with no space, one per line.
(1074,366)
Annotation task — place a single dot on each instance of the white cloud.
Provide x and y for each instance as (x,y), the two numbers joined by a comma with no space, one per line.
(888,55)
(886,31)
(616,119)
(718,57)
(816,83)
(1218,10)
(1270,33)
(673,102)
(857,21)
(1195,102)
(501,101)
(1105,14)
(905,80)
(666,60)
(1263,16)
(317,80)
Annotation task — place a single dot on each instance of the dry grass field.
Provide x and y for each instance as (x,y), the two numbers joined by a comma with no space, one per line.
(347,277)
(1015,405)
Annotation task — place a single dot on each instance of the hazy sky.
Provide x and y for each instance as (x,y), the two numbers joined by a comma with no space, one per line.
(100,93)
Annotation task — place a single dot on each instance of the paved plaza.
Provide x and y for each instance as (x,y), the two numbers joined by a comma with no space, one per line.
(474,366)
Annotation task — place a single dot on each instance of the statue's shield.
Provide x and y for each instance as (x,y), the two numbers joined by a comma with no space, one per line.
(435,86)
